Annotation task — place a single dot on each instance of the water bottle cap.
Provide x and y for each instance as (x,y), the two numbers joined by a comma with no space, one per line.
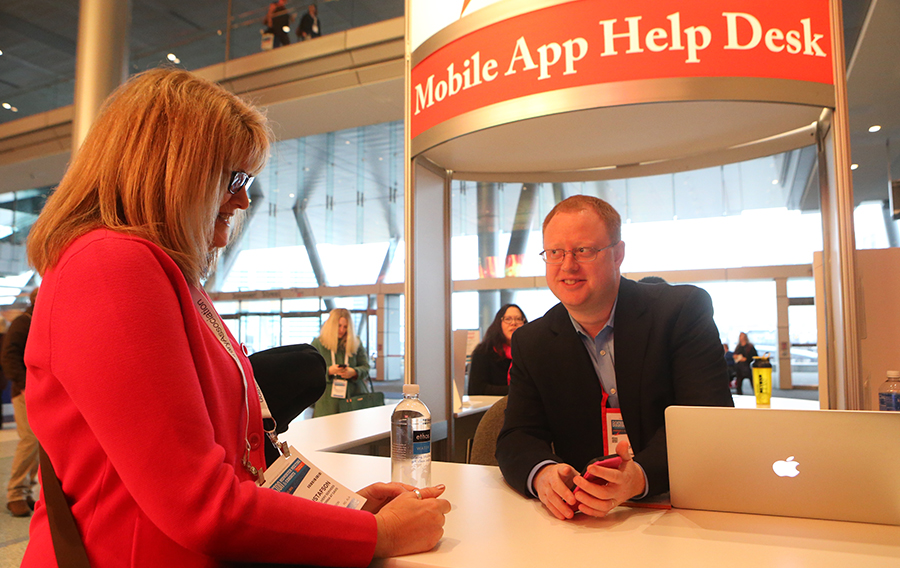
(410,389)
(893,374)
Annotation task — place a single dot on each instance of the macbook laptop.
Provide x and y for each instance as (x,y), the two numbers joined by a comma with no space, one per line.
(824,464)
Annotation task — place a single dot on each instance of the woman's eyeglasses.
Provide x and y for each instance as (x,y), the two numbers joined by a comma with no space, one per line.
(512,319)
(239,181)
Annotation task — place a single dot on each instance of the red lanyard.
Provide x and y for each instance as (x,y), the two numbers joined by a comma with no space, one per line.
(603,401)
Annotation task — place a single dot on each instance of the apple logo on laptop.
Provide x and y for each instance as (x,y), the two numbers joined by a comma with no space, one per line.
(786,468)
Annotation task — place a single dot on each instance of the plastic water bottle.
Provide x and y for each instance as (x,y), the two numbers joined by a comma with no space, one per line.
(411,440)
(889,393)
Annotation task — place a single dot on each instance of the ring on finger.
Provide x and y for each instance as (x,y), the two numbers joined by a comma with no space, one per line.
(418,494)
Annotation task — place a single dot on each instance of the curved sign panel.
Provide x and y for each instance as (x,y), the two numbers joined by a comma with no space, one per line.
(518,51)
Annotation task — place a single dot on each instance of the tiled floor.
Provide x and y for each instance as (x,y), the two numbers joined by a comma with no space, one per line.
(13,531)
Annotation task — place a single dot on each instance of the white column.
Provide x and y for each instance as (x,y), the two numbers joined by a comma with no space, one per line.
(101,59)
(784,336)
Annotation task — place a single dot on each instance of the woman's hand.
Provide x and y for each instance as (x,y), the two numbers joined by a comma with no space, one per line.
(379,494)
(342,371)
(407,524)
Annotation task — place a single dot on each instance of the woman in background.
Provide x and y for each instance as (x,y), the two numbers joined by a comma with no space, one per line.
(348,365)
(744,352)
(489,369)
(150,414)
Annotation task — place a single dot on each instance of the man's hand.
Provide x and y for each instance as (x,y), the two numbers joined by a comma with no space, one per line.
(553,485)
(622,484)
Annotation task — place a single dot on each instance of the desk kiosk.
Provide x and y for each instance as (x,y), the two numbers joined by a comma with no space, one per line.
(579,90)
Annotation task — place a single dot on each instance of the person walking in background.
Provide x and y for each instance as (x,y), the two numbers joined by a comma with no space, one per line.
(744,352)
(348,365)
(489,369)
(150,414)
(310,26)
(23,478)
(278,22)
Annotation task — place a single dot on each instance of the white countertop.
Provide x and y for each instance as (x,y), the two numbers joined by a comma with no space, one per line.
(492,525)
(338,432)
(749,401)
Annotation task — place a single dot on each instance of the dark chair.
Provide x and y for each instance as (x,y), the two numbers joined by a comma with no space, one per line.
(484,444)
(291,377)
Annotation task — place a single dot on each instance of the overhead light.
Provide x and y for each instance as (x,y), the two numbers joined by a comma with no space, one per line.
(1,52)
(854,166)
(286,29)
(6,106)
(171,57)
(774,182)
(875,128)
(291,195)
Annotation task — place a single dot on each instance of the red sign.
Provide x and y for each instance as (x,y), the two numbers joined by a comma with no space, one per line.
(586,42)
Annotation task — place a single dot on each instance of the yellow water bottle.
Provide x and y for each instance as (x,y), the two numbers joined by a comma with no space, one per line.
(762,380)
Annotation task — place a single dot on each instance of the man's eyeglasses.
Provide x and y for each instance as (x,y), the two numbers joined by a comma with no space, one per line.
(581,254)
(239,181)
(512,319)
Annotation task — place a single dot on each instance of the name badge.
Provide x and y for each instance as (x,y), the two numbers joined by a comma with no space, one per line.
(296,475)
(615,429)
(339,388)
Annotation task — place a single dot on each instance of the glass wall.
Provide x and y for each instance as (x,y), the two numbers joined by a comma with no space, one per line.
(326,211)
(18,211)
(740,215)
(326,221)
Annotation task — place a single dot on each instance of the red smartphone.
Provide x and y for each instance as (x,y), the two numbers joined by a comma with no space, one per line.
(612,461)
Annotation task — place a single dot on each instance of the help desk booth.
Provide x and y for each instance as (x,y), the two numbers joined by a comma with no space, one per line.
(549,91)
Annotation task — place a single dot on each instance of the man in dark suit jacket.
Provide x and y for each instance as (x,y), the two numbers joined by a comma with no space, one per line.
(653,345)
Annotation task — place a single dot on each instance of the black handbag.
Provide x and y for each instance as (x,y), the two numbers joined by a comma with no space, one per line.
(362,400)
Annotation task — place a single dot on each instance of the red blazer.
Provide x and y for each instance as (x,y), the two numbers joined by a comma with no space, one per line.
(143,413)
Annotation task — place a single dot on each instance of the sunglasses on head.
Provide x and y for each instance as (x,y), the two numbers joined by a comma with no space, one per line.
(239,181)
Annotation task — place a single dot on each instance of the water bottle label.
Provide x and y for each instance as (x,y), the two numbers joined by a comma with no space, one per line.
(889,401)
(421,442)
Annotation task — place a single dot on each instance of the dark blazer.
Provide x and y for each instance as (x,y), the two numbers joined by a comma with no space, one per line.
(488,372)
(667,351)
(12,353)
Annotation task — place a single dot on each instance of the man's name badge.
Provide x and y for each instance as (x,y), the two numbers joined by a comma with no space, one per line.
(296,475)
(615,429)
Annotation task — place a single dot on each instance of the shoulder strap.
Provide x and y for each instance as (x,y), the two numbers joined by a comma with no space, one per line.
(67,542)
